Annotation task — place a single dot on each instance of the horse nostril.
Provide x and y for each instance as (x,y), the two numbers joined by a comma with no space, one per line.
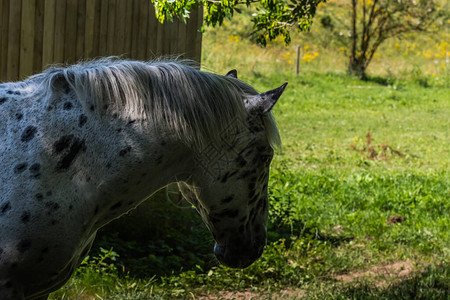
(219,252)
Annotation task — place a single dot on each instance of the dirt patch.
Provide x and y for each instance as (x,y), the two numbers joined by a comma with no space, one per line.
(395,219)
(382,276)
(253,295)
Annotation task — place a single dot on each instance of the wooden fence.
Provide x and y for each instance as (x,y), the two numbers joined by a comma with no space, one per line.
(37,33)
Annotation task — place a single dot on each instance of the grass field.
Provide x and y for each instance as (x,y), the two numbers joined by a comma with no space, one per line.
(360,191)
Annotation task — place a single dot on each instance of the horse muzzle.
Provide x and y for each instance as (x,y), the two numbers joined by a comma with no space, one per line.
(238,256)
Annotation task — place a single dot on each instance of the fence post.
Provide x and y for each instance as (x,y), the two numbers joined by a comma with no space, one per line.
(298,60)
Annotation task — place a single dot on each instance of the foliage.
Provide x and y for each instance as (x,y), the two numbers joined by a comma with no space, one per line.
(103,264)
(273,18)
(158,239)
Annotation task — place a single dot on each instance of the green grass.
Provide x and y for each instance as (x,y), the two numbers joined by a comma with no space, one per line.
(330,204)
(319,182)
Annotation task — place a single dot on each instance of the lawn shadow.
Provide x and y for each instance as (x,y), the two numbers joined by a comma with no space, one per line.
(280,229)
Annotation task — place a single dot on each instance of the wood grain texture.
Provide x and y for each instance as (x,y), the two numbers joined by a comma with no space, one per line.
(37,33)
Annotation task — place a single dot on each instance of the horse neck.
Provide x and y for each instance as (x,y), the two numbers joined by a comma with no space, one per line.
(144,162)
(123,165)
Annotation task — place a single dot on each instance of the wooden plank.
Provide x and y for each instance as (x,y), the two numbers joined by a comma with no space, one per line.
(167,37)
(1,40)
(60,25)
(89,29)
(190,35)
(160,38)
(142,34)
(182,39)
(173,38)
(128,28)
(110,36)
(4,22)
(49,33)
(152,32)
(97,21)
(103,28)
(70,42)
(81,29)
(15,13)
(135,29)
(38,36)
(198,37)
(119,47)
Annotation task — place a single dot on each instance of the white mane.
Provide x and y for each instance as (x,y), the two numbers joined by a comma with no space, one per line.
(193,104)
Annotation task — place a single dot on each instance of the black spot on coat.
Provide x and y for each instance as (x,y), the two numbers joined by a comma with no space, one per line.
(124,151)
(82,120)
(67,106)
(28,134)
(71,146)
(3,100)
(19,168)
(63,143)
(241,161)
(227,176)
(23,246)
(51,206)
(116,206)
(25,217)
(228,213)
(5,207)
(35,170)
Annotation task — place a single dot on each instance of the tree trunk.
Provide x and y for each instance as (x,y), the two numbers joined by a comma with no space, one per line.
(355,66)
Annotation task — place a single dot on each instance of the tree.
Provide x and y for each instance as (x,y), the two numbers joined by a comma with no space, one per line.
(375,21)
(371,23)
(274,18)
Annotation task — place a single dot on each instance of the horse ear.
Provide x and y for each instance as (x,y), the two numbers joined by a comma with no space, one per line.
(267,100)
(232,74)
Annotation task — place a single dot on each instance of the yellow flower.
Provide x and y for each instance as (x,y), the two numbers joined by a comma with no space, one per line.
(308,57)
(233,38)
(427,54)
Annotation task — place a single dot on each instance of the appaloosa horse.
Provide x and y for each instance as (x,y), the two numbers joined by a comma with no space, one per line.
(82,145)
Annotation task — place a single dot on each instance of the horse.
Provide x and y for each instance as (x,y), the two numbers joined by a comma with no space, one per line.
(84,144)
